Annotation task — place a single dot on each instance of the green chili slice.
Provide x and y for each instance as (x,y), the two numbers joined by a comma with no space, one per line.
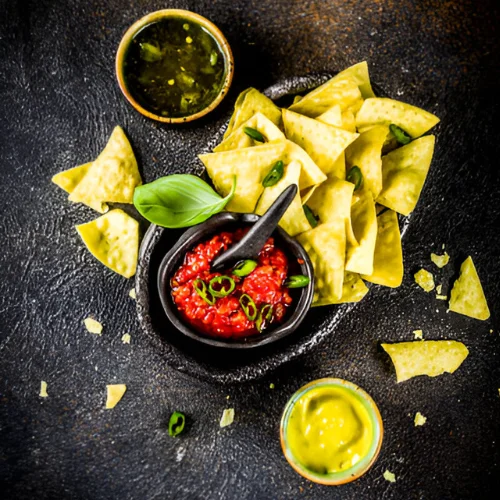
(201,289)
(310,216)
(264,317)
(274,175)
(355,176)
(254,134)
(176,423)
(244,268)
(221,286)
(248,306)
(401,135)
(297,281)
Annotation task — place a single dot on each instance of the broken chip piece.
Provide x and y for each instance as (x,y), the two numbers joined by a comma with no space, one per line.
(93,326)
(43,389)
(419,419)
(115,393)
(425,280)
(389,476)
(440,260)
(131,294)
(427,357)
(227,417)
(418,334)
(126,338)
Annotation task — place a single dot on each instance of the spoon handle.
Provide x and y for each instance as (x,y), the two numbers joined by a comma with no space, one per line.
(251,244)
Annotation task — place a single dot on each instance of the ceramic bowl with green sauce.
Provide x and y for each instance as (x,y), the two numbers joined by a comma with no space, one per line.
(331,431)
(174,66)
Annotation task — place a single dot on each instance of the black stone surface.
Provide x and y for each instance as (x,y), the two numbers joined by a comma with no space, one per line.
(59,102)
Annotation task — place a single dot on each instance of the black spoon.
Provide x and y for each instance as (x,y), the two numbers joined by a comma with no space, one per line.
(251,244)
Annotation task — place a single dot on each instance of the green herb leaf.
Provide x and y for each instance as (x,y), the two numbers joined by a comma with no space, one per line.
(213,58)
(150,52)
(297,281)
(200,288)
(221,286)
(401,136)
(310,216)
(355,176)
(274,175)
(244,268)
(176,423)
(248,306)
(254,134)
(180,200)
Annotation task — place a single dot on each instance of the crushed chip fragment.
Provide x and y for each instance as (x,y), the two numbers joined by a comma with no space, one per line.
(440,260)
(43,389)
(439,289)
(389,476)
(227,417)
(441,297)
(425,280)
(93,326)
(131,294)
(126,338)
(419,419)
(115,393)
(418,334)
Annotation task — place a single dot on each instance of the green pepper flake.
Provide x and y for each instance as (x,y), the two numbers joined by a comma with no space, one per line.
(254,134)
(401,135)
(274,175)
(171,81)
(221,286)
(248,306)
(186,26)
(264,317)
(176,423)
(311,217)
(189,39)
(201,289)
(213,58)
(271,386)
(355,176)
(297,281)
(244,268)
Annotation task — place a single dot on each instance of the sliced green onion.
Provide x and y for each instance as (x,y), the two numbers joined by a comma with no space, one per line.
(355,177)
(264,317)
(310,216)
(297,281)
(221,286)
(248,306)
(201,289)
(254,134)
(244,268)
(401,136)
(176,423)
(274,175)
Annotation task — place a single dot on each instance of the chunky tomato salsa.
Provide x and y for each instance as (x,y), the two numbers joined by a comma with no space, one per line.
(236,303)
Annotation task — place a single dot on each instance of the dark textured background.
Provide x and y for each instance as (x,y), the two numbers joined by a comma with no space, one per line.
(58,104)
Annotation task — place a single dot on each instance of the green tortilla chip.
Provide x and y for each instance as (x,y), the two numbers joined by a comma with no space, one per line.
(383,111)
(404,171)
(388,256)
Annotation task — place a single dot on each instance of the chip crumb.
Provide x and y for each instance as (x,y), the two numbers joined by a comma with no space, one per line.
(227,417)
(389,476)
(442,247)
(442,297)
(425,280)
(440,260)
(439,289)
(115,393)
(491,330)
(131,294)
(418,334)
(93,326)
(43,389)
(419,419)
(271,386)
(126,338)
(227,397)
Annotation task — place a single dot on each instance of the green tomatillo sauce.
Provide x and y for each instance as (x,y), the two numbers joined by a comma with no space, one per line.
(174,67)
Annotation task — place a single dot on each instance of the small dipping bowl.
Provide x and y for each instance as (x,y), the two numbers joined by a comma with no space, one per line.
(371,413)
(187,17)
(230,221)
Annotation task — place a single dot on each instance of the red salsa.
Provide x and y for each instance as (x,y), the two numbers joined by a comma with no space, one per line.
(223,304)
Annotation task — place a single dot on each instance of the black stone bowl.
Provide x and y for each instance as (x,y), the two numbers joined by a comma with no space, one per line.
(227,221)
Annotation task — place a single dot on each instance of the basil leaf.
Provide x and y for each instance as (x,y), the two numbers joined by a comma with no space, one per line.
(401,136)
(179,200)
(355,176)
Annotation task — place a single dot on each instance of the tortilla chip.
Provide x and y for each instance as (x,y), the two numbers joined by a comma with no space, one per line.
(249,102)
(467,295)
(113,176)
(425,357)
(440,260)
(332,116)
(341,90)
(359,72)
(310,174)
(366,153)
(383,111)
(388,255)
(323,143)
(239,139)
(115,393)
(294,220)
(69,179)
(361,241)
(353,290)
(404,171)
(113,239)
(349,120)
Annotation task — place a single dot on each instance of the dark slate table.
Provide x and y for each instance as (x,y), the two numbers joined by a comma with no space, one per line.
(58,103)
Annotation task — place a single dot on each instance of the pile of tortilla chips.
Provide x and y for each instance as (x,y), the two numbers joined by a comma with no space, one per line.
(113,239)
(319,138)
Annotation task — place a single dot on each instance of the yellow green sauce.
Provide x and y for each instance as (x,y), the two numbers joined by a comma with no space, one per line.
(329,429)
(174,67)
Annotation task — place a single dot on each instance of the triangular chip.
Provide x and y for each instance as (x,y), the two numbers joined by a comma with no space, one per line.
(388,256)
(361,241)
(366,153)
(249,102)
(341,90)
(323,143)
(403,174)
(113,239)
(69,179)
(359,72)
(425,357)
(113,176)
(310,174)
(383,111)
(467,296)
(332,116)
(239,139)
(353,290)
(349,120)
(332,200)
(294,220)
(115,393)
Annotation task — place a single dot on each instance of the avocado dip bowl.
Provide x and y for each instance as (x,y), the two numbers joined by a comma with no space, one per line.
(174,66)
